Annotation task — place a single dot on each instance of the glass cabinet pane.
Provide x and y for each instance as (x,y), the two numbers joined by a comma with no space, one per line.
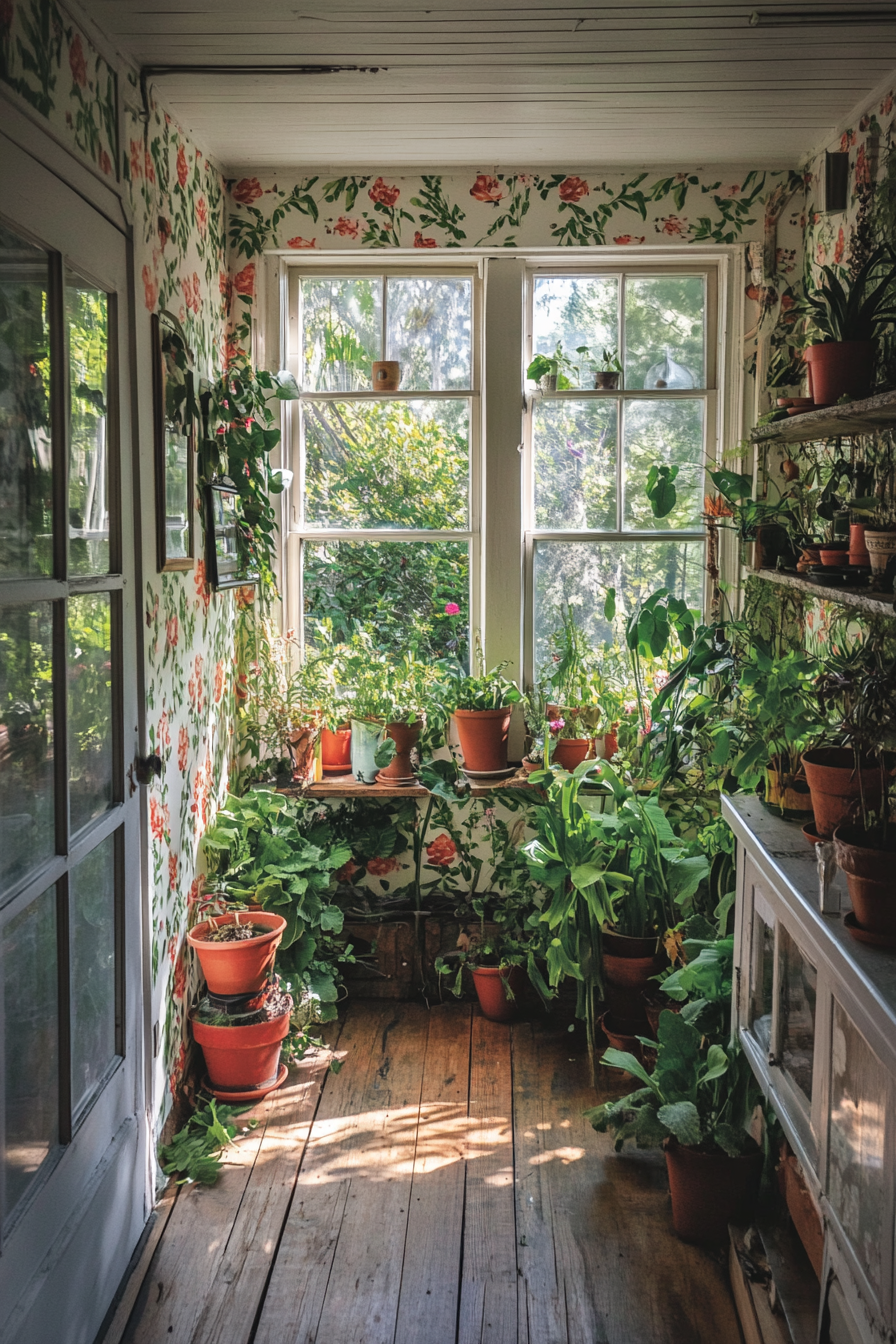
(26,515)
(89,707)
(798,985)
(856,1142)
(30,1045)
(762,977)
(87,322)
(27,836)
(92,888)
(430,332)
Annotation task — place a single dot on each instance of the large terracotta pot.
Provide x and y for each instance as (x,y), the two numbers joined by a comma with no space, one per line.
(237,968)
(483,738)
(870,877)
(241,1059)
(404,735)
(629,964)
(858,551)
(838,368)
(336,750)
(710,1190)
(570,751)
(489,982)
(834,785)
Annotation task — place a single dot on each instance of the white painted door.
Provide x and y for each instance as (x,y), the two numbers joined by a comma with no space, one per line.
(73,1184)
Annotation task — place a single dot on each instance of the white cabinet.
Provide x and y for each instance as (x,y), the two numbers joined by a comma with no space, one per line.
(816,1015)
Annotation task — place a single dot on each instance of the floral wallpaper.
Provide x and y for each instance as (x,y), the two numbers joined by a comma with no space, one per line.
(58,73)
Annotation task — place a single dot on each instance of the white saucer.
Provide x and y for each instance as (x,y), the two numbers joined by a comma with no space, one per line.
(490,774)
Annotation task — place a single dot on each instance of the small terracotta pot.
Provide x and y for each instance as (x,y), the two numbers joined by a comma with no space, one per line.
(404,735)
(606,382)
(570,751)
(838,368)
(489,981)
(531,766)
(241,1058)
(629,965)
(611,742)
(483,738)
(869,878)
(881,549)
(833,556)
(710,1190)
(336,750)
(620,1040)
(386,375)
(834,786)
(858,551)
(237,968)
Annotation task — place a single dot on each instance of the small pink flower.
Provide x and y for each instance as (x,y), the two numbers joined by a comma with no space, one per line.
(556,724)
(452,609)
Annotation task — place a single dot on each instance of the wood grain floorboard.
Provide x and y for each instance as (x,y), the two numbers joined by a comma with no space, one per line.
(488,1290)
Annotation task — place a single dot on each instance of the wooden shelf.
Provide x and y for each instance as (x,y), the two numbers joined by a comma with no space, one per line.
(858,417)
(346,786)
(863,599)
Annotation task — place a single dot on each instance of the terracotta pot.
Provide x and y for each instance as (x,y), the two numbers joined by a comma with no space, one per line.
(606,382)
(834,785)
(483,738)
(833,556)
(336,750)
(570,751)
(386,375)
(656,1004)
(629,965)
(869,877)
(404,735)
(241,1058)
(611,742)
(620,1040)
(237,968)
(489,981)
(881,549)
(710,1190)
(838,368)
(858,551)
(531,766)
(786,795)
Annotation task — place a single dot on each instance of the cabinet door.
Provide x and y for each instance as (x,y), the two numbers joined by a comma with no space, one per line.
(73,1129)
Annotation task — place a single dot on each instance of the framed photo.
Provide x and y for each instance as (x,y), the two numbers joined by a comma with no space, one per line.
(174,445)
(223,527)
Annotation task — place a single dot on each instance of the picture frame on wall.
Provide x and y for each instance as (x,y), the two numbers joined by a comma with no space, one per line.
(174,452)
(222,534)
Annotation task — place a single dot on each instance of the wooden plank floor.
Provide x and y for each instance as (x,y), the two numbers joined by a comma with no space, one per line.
(442,1188)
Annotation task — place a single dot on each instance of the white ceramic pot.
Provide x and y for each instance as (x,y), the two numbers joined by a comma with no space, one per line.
(881,546)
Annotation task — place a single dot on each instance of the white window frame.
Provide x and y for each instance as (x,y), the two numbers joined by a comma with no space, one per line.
(501,590)
(297,531)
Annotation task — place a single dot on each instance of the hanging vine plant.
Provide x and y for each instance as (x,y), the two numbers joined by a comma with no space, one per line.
(235,444)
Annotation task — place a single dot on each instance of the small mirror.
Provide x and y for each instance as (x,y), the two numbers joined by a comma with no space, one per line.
(173,416)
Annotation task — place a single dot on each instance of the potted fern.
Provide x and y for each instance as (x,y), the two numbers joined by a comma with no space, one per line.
(848,318)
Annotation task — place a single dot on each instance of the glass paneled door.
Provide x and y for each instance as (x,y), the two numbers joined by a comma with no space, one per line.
(73,1156)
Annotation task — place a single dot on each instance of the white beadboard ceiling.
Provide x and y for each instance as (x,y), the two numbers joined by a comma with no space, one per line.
(504,85)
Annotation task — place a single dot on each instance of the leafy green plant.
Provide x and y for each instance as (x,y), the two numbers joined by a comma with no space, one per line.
(194,1153)
(775,711)
(858,309)
(268,848)
(702,1094)
(856,690)
(658,624)
(480,689)
(557,366)
(660,489)
(703,985)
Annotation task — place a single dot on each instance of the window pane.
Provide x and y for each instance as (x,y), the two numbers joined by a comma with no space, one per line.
(856,1144)
(27,836)
(431,332)
(575,464)
(26,516)
(670,433)
(387,463)
(664,319)
(30,1044)
(581,572)
(92,887)
(342,333)
(576,310)
(89,706)
(798,978)
(87,318)
(398,591)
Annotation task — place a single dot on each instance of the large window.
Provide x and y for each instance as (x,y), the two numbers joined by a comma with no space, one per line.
(591,525)
(384,522)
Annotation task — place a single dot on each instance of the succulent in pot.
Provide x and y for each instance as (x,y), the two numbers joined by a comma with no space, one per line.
(703,1104)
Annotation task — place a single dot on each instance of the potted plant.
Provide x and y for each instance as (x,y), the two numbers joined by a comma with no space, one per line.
(777,717)
(481,705)
(553,373)
(608,372)
(236,951)
(703,1104)
(573,689)
(496,963)
(241,1043)
(847,317)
